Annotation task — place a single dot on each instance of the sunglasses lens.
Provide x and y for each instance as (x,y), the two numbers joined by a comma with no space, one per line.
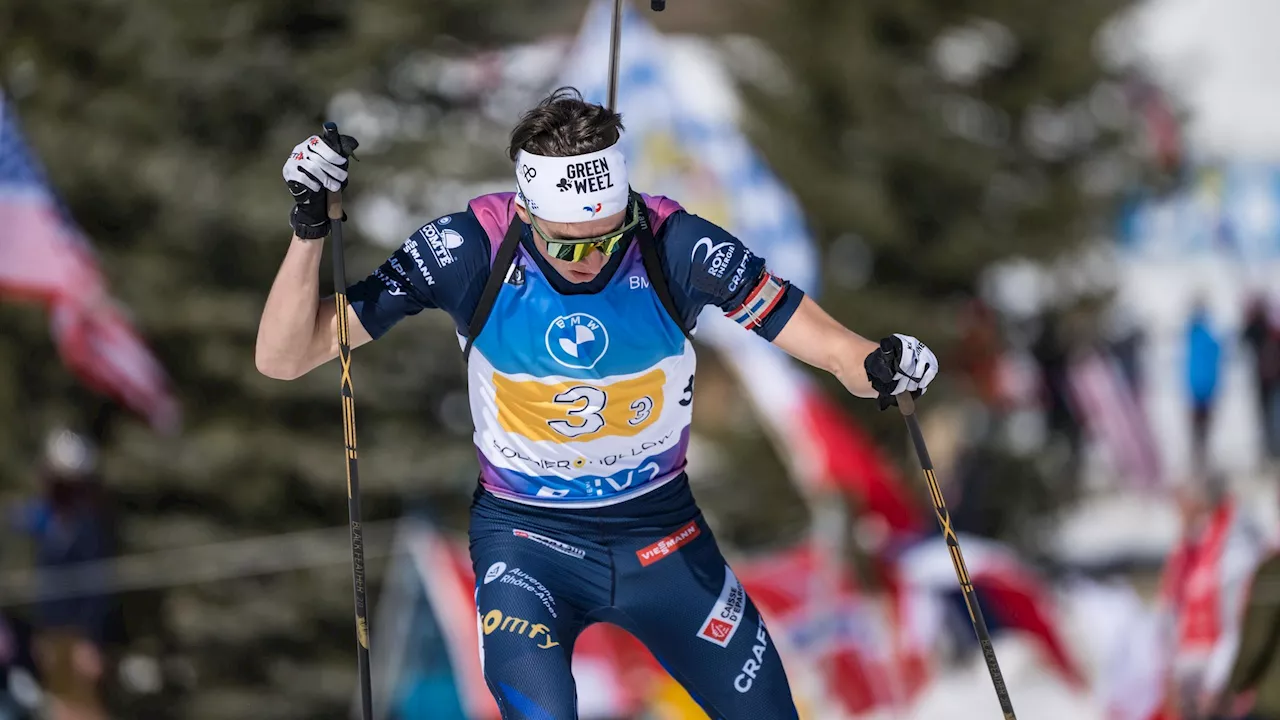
(559,251)
(578,251)
(575,252)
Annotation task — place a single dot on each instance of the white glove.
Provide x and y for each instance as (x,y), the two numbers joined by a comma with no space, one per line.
(313,164)
(313,167)
(901,364)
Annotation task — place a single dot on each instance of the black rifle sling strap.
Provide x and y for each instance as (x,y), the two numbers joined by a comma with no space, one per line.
(497,276)
(653,267)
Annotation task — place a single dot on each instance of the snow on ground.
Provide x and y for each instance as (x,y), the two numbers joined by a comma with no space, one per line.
(1036,695)
(1096,620)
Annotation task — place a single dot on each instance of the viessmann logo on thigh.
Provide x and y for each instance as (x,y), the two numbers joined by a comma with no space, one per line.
(727,613)
(667,545)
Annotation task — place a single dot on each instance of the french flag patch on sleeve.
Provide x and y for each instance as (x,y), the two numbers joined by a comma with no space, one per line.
(760,302)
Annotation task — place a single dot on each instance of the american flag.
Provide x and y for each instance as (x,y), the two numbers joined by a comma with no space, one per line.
(45,257)
(1112,412)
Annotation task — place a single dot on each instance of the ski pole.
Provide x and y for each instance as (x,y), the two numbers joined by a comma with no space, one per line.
(615,48)
(907,406)
(349,436)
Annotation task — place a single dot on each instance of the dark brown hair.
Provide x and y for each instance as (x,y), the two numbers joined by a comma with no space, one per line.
(564,124)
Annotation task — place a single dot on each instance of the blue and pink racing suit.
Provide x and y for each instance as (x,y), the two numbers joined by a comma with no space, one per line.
(581,396)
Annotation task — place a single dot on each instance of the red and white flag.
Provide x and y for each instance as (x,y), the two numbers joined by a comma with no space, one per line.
(1202,593)
(845,654)
(1011,594)
(821,444)
(44,257)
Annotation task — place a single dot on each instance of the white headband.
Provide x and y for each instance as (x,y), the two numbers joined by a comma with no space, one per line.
(575,188)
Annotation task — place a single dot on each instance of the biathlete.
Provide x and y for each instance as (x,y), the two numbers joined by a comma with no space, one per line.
(574,298)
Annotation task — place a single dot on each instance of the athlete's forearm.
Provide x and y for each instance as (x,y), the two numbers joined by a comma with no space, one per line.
(814,337)
(847,363)
(288,345)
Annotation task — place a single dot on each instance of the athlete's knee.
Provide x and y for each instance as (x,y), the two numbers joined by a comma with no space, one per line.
(525,656)
(529,680)
(523,697)
(760,687)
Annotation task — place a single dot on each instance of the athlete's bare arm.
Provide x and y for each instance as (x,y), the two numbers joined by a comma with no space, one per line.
(299,330)
(813,336)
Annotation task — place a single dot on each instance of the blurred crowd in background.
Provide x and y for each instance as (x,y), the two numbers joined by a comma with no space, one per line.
(1024,187)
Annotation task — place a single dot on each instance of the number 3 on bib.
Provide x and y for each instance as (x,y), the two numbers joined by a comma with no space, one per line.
(643,408)
(587,405)
(575,411)
(588,416)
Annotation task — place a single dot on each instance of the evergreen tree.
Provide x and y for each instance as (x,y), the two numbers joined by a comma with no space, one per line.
(931,139)
(164,125)
(946,136)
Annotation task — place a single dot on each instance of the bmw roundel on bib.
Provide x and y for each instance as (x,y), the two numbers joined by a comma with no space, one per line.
(577,340)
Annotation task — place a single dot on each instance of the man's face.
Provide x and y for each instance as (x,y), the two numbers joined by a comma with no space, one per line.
(588,267)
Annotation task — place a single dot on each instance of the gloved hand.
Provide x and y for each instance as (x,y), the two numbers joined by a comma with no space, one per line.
(318,164)
(902,364)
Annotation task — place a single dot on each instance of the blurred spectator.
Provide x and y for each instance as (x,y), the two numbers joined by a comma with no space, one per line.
(1203,369)
(1262,333)
(1051,352)
(981,348)
(71,524)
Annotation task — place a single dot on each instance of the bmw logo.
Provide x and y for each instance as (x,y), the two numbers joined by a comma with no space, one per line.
(577,340)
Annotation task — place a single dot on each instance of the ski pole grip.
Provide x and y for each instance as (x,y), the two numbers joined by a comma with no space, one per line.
(333,140)
(906,404)
(335,206)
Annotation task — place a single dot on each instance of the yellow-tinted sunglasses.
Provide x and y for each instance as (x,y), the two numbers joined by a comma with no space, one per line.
(575,249)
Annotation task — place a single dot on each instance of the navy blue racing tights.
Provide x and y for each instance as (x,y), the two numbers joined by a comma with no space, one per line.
(648,565)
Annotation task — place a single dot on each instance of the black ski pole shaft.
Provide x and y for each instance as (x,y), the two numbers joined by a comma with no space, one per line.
(615,48)
(349,436)
(615,52)
(907,405)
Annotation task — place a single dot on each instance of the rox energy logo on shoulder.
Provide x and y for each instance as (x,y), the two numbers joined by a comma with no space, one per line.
(669,544)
